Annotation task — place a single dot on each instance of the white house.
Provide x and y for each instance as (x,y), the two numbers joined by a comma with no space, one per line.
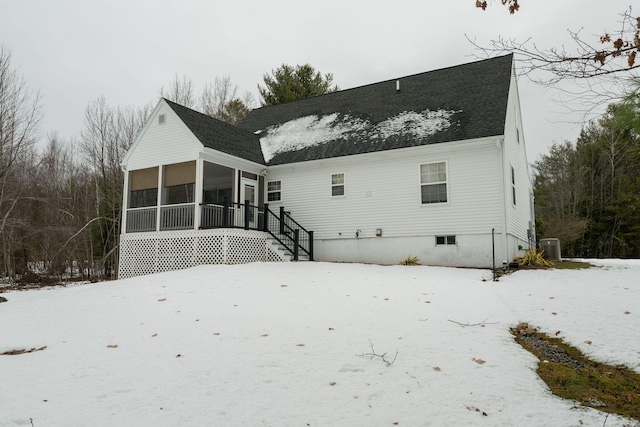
(431,165)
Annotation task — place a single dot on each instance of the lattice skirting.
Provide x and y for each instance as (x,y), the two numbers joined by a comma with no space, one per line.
(147,253)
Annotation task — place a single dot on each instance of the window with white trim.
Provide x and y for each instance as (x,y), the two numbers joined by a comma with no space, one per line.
(274,191)
(337,185)
(513,185)
(433,182)
(445,240)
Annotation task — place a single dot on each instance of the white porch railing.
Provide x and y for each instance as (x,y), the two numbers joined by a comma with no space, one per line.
(177,217)
(181,217)
(213,215)
(141,220)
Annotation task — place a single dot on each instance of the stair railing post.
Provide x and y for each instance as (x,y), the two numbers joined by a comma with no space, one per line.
(311,246)
(282,219)
(265,218)
(296,243)
(246,214)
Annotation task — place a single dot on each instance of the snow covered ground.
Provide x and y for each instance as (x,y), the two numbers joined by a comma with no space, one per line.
(282,345)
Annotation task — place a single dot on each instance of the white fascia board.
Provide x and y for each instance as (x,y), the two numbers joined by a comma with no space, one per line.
(224,159)
(515,97)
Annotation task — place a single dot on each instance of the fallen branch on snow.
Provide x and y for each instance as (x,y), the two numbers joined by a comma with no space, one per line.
(21,351)
(464,325)
(381,356)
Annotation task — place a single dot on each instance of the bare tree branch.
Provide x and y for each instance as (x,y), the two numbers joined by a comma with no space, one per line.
(464,325)
(601,69)
(180,91)
(382,356)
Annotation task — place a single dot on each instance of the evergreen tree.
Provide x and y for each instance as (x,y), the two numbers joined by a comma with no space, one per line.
(287,83)
(588,194)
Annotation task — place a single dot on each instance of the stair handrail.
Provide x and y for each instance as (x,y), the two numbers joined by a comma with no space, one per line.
(287,227)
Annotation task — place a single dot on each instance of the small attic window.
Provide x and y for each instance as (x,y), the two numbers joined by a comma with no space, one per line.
(162,119)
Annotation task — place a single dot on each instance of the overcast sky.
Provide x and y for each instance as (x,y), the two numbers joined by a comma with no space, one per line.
(73,51)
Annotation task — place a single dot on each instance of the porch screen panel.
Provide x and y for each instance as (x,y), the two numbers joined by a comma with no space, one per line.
(179,174)
(143,187)
(217,183)
(143,179)
(179,183)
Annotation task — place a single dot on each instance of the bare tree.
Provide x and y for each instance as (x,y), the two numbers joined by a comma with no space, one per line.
(220,100)
(129,121)
(601,69)
(180,91)
(215,96)
(20,116)
(560,184)
(50,215)
(108,134)
(17,201)
(20,113)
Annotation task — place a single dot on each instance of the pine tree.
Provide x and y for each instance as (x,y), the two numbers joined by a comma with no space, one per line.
(287,83)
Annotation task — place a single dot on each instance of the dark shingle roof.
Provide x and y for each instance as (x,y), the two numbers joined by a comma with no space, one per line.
(219,135)
(474,95)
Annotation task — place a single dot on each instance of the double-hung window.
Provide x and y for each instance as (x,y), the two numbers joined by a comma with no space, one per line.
(274,191)
(337,184)
(433,182)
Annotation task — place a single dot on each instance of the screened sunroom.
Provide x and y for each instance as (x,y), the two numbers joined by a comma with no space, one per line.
(192,195)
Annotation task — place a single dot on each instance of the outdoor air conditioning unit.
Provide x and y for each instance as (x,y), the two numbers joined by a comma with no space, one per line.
(551,248)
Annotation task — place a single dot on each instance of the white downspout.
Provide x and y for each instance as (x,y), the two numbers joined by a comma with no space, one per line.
(125,200)
(505,248)
(123,223)
(159,201)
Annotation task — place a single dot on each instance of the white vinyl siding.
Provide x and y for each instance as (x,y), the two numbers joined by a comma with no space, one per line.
(446,240)
(384,193)
(517,182)
(165,144)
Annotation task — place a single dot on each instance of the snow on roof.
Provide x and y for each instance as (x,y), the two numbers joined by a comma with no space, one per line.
(313,130)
